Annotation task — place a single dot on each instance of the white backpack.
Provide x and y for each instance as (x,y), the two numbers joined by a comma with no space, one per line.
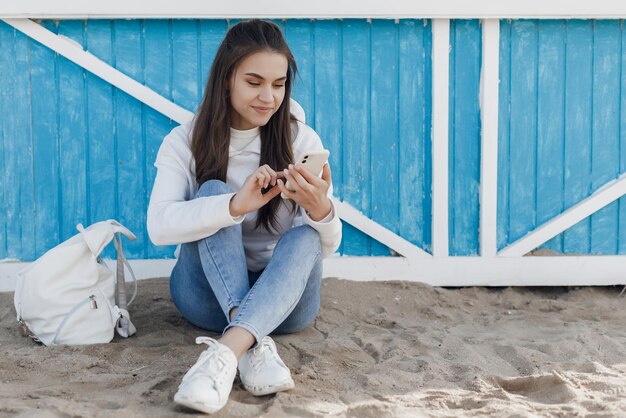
(67,295)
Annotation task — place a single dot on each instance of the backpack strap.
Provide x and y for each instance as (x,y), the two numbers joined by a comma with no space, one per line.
(124,327)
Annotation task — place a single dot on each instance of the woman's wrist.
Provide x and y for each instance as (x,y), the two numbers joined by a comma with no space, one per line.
(232,209)
(321,211)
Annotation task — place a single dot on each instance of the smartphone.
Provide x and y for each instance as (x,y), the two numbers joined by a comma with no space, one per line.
(313,161)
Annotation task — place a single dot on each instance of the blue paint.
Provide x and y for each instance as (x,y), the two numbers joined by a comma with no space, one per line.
(157,72)
(45,137)
(72,137)
(414,98)
(299,36)
(464,123)
(605,130)
(550,126)
(622,140)
(384,124)
(578,116)
(130,146)
(102,175)
(356,91)
(327,96)
(186,68)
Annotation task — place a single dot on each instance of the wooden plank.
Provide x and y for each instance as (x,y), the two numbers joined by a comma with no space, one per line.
(440,71)
(464,137)
(328,87)
(299,37)
(356,127)
(483,271)
(504,129)
(523,122)
(605,130)
(158,74)
(6,33)
(578,108)
(622,141)
(45,137)
(414,101)
(451,271)
(72,137)
(102,162)
(20,233)
(550,123)
(488,186)
(212,33)
(186,66)
(384,124)
(605,195)
(130,147)
(319,9)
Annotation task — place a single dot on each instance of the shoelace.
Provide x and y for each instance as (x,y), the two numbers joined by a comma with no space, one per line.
(214,369)
(262,353)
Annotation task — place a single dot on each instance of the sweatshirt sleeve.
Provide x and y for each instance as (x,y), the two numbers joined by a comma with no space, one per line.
(328,228)
(174,216)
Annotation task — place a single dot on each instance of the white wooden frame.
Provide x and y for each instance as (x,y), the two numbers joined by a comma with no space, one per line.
(508,267)
(442,9)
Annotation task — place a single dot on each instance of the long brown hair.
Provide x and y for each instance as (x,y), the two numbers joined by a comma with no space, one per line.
(211,134)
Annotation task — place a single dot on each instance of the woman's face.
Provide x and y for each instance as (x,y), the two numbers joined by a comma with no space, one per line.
(257,89)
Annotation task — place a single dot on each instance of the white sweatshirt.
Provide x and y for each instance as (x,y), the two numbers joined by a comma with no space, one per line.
(174,217)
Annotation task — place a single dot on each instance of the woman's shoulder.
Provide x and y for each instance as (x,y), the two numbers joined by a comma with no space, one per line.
(180,136)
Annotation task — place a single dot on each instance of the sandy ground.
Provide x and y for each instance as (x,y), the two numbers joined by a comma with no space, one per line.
(377,349)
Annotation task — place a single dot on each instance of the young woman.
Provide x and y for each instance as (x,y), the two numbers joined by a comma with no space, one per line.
(250,261)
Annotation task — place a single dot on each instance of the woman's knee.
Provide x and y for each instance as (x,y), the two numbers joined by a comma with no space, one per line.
(213,188)
(305,235)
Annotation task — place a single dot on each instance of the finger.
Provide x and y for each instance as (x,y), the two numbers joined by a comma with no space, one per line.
(286,193)
(306,174)
(267,177)
(260,179)
(297,175)
(295,187)
(273,175)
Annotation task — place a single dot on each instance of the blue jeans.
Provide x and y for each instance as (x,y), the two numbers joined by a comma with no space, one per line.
(211,278)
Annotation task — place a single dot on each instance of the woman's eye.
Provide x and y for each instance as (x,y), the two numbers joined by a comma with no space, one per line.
(279,85)
(252,83)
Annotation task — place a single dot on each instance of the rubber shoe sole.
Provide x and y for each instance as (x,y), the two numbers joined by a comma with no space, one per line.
(198,406)
(268,390)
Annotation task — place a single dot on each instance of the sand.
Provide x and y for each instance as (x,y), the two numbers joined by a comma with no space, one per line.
(377,349)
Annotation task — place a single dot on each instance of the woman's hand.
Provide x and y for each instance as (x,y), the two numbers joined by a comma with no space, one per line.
(250,198)
(309,191)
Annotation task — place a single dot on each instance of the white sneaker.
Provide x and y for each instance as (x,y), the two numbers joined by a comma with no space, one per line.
(207,384)
(262,371)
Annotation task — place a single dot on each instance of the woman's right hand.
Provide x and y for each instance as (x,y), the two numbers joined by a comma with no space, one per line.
(249,198)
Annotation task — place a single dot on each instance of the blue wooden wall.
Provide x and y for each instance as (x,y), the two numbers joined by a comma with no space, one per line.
(75,149)
(561,129)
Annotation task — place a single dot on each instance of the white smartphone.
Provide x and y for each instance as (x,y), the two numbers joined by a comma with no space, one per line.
(313,162)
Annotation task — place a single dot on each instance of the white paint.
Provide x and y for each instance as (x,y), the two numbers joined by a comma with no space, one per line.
(484,271)
(378,232)
(608,193)
(489,82)
(441,65)
(80,9)
(435,271)
(75,53)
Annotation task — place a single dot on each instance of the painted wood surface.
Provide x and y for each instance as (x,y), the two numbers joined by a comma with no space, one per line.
(561,129)
(84,150)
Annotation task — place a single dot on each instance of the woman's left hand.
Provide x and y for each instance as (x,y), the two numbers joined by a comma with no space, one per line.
(309,191)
